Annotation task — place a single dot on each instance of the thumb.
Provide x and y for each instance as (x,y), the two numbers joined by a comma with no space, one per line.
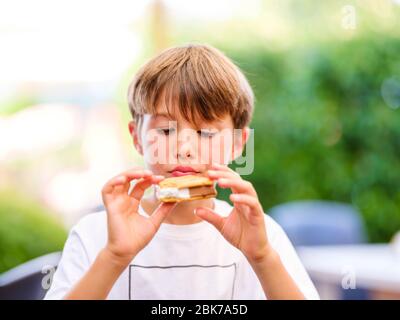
(161,213)
(210,216)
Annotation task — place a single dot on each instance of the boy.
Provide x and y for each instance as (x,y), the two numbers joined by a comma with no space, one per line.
(139,248)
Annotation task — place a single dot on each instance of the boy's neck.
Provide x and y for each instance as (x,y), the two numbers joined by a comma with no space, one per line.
(182,213)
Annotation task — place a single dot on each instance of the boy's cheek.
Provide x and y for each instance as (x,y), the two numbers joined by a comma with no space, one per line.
(218,154)
(162,151)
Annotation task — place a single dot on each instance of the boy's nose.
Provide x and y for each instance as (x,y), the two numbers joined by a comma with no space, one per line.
(185,151)
(185,145)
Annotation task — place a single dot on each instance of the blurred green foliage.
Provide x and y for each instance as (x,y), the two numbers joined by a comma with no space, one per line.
(27,231)
(323,129)
(17,103)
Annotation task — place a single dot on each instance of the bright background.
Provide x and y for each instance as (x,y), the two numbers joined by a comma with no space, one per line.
(326,75)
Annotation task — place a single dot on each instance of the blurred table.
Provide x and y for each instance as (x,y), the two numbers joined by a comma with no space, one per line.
(374,266)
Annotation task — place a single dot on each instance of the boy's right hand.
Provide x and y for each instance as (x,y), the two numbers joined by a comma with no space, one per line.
(128,231)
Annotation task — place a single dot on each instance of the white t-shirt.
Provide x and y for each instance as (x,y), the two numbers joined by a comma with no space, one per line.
(181,262)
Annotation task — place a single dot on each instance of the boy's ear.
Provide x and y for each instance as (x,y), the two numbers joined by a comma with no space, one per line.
(133,130)
(240,138)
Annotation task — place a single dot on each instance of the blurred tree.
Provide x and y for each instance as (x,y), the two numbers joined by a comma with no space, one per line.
(27,230)
(323,129)
(159,31)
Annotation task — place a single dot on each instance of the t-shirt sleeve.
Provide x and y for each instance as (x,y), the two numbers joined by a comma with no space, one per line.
(281,243)
(72,266)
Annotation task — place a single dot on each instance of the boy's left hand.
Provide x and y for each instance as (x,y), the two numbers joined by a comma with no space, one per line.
(244,228)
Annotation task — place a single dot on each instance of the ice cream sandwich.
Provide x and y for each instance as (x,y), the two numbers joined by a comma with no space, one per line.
(183,188)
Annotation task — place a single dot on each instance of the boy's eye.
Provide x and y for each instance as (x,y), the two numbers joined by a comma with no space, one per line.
(206,133)
(166,131)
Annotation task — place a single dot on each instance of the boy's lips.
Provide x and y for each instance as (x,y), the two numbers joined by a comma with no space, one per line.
(182,171)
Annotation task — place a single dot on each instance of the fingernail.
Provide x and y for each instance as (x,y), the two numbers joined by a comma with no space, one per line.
(221,181)
(235,196)
(121,179)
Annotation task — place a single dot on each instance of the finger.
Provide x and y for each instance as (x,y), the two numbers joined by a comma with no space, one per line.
(140,187)
(215,174)
(123,179)
(247,200)
(161,213)
(238,186)
(222,167)
(111,184)
(210,216)
(137,172)
(232,180)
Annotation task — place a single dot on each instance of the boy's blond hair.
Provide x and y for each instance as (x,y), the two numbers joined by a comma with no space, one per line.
(199,80)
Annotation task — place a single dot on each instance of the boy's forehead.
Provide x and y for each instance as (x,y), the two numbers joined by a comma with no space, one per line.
(172,112)
(161,111)
(158,115)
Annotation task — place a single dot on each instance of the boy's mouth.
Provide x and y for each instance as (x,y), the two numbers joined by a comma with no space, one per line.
(182,171)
